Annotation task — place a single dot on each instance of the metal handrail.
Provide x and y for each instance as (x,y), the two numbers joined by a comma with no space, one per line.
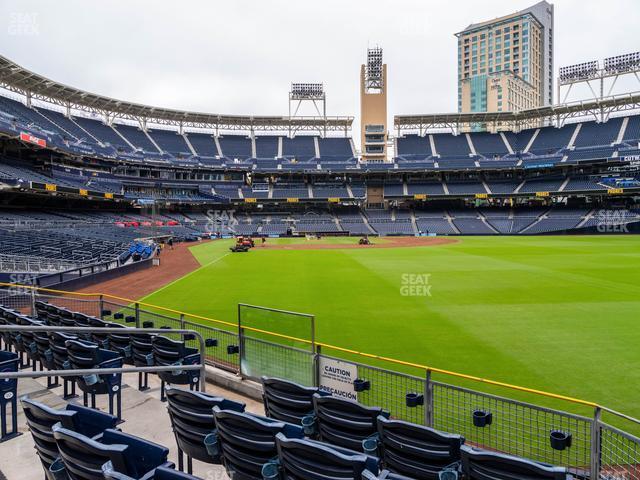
(127,331)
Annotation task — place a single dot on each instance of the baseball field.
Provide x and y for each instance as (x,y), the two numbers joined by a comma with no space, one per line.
(559,314)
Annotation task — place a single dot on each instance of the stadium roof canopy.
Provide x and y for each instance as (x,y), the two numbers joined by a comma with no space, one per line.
(15,78)
(599,109)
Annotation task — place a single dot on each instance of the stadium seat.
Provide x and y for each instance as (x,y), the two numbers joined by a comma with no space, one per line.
(416,451)
(142,354)
(83,457)
(57,344)
(480,464)
(192,420)
(343,422)
(121,343)
(287,401)
(83,356)
(246,442)
(41,418)
(160,473)
(307,459)
(168,352)
(8,391)
(45,355)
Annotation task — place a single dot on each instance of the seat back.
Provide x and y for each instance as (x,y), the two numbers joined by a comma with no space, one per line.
(41,418)
(287,401)
(160,473)
(171,352)
(142,349)
(192,419)
(57,344)
(416,451)
(316,461)
(345,423)
(83,457)
(480,464)
(247,442)
(167,351)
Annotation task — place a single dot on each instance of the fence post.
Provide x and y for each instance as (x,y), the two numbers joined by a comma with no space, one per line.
(596,450)
(428,400)
(101,306)
(240,343)
(33,303)
(316,366)
(137,315)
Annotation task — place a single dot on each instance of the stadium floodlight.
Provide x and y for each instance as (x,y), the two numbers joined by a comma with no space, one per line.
(579,72)
(374,68)
(307,91)
(628,62)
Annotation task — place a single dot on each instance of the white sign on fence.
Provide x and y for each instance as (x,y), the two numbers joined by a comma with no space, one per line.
(336,377)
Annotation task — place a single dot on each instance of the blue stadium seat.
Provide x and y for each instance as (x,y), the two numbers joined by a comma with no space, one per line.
(160,473)
(192,420)
(416,451)
(8,391)
(345,423)
(246,442)
(84,356)
(306,459)
(58,347)
(168,352)
(82,457)
(480,464)
(41,418)
(142,354)
(287,401)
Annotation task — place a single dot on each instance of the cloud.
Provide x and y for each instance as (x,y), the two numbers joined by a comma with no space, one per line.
(240,56)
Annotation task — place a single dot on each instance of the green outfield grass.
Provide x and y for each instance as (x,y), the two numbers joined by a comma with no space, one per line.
(553,313)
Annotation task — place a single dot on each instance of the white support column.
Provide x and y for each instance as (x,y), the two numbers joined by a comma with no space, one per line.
(316,145)
(280,146)
(574,135)
(186,140)
(531,140)
(623,130)
(506,143)
(470,143)
(216,139)
(433,145)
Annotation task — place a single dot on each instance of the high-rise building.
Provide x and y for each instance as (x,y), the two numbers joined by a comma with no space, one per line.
(373,107)
(506,64)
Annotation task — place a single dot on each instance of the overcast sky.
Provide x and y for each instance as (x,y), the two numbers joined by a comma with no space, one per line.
(240,56)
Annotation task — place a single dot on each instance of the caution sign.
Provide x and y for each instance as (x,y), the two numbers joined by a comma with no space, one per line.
(542,194)
(420,196)
(108,195)
(250,200)
(482,195)
(293,200)
(83,192)
(50,187)
(334,200)
(336,378)
(615,191)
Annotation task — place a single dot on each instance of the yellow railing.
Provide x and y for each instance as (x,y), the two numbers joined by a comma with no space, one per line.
(426,368)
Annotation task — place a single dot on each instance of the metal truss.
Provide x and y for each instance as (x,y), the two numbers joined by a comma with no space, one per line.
(600,109)
(33,86)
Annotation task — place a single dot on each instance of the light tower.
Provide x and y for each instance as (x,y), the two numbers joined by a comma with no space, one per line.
(310,93)
(373,107)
